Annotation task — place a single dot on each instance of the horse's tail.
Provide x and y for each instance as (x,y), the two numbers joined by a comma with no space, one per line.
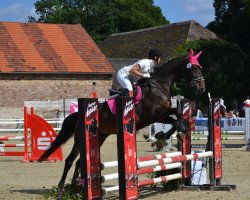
(66,132)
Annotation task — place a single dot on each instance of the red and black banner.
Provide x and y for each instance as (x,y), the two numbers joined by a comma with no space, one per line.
(217,149)
(186,143)
(126,147)
(89,148)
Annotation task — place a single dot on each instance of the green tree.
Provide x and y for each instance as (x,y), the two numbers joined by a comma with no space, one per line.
(224,68)
(100,18)
(232,21)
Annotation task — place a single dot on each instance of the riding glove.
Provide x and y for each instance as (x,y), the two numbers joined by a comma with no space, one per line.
(146,75)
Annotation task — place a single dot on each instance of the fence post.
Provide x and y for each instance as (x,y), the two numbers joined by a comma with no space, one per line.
(126,147)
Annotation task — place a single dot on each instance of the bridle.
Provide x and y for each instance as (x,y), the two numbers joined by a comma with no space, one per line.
(195,80)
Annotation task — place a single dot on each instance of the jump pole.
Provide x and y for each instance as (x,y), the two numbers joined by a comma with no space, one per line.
(89,148)
(184,144)
(126,147)
(214,144)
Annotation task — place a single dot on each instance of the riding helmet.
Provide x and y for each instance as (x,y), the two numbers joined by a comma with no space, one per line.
(154,52)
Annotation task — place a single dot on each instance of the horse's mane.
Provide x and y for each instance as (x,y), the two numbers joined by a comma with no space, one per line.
(171,63)
(160,70)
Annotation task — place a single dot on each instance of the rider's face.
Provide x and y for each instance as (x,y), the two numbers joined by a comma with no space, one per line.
(157,60)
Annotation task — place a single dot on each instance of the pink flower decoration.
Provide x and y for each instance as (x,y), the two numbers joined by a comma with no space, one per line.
(193,59)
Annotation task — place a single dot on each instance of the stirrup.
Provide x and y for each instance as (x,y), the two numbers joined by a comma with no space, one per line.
(120,92)
(113,92)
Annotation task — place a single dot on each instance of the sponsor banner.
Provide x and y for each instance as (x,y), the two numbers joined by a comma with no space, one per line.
(227,124)
(201,124)
(127,160)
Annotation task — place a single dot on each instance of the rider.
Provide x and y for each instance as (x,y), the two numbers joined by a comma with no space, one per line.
(140,69)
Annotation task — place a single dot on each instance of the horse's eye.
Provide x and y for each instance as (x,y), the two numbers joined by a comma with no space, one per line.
(189,65)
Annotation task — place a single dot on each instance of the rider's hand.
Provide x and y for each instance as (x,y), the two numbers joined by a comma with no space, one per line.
(146,75)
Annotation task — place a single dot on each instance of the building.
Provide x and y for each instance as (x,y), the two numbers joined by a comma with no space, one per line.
(126,48)
(136,44)
(49,62)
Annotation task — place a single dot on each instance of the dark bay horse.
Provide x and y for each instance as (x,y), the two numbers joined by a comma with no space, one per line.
(155,106)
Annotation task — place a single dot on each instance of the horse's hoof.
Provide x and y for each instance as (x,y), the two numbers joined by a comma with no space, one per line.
(167,137)
(180,126)
(60,186)
(160,135)
(146,137)
(180,136)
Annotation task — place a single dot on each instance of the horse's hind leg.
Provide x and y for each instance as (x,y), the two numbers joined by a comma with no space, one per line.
(68,163)
(103,137)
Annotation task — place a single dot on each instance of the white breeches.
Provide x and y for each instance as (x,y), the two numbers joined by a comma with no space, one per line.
(124,80)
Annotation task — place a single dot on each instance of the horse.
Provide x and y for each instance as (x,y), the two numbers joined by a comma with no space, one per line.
(155,106)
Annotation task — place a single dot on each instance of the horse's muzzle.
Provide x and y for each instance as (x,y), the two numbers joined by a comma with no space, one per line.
(199,83)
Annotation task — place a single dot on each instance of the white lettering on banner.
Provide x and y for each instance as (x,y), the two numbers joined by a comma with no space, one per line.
(128,107)
(92,107)
(227,124)
(186,107)
(216,106)
(43,143)
(234,122)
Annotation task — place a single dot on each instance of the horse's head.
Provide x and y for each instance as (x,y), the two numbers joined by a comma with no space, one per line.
(187,68)
(194,69)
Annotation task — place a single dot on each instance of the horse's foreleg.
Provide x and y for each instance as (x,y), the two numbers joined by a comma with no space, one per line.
(179,123)
(165,136)
(68,163)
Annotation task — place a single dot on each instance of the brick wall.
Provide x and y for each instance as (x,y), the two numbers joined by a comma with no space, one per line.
(14,90)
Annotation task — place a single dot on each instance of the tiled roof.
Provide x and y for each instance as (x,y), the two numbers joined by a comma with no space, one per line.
(136,44)
(49,48)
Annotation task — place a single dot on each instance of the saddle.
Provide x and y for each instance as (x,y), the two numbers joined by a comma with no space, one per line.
(123,92)
(137,93)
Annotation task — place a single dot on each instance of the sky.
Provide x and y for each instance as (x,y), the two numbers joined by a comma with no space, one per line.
(201,11)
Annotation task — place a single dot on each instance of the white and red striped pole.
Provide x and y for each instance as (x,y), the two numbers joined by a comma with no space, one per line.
(142,158)
(161,179)
(159,156)
(174,159)
(159,168)
(6,138)
(12,145)
(144,171)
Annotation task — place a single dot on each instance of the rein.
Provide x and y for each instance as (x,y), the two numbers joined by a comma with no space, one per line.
(151,84)
(197,80)
(159,88)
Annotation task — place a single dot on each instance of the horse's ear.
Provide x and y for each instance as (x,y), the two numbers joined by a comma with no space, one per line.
(191,53)
(198,54)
